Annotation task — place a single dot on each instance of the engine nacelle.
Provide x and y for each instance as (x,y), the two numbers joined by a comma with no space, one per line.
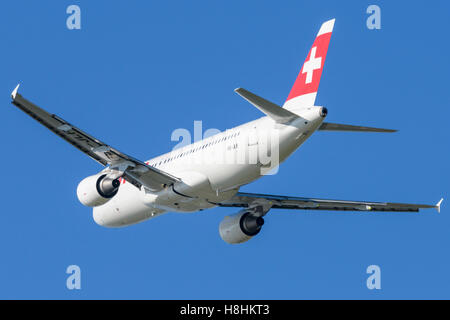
(240,227)
(96,190)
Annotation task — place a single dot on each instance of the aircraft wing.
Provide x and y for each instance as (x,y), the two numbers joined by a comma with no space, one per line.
(284,202)
(135,171)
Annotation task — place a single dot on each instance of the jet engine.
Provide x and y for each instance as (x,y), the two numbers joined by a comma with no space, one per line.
(96,190)
(240,227)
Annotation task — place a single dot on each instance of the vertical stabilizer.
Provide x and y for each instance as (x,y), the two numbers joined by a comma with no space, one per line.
(304,91)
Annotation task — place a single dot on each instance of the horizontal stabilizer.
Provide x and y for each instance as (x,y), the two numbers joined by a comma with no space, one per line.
(269,108)
(326,126)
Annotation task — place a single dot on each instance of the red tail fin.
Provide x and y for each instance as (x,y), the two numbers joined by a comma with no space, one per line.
(304,91)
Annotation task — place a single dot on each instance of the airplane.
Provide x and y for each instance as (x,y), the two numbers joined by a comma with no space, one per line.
(195,177)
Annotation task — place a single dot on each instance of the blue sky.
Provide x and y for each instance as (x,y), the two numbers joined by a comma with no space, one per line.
(138,70)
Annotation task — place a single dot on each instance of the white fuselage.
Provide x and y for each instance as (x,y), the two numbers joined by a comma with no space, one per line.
(212,170)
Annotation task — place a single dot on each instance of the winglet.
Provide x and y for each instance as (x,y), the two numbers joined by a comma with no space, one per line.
(438,205)
(14,93)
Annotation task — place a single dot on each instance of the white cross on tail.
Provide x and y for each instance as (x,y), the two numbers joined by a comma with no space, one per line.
(312,64)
